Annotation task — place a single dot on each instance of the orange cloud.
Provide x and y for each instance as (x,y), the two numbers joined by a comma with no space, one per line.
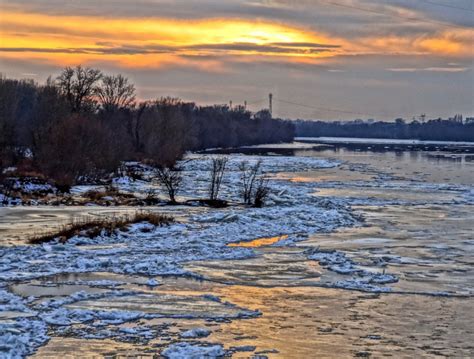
(445,43)
(162,42)
(142,42)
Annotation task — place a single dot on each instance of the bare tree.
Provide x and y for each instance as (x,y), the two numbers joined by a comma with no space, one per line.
(261,191)
(78,85)
(115,92)
(217,174)
(248,177)
(170,179)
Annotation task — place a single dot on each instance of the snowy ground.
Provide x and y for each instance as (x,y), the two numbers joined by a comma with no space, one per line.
(99,308)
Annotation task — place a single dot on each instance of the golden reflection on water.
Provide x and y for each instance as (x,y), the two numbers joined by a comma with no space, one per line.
(259,242)
(310,322)
(306,322)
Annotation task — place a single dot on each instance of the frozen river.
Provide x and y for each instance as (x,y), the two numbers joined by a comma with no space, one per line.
(357,254)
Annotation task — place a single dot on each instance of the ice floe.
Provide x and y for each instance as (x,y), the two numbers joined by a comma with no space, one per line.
(188,350)
(360,279)
(196,333)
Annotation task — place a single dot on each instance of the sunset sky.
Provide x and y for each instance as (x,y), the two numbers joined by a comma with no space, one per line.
(341,59)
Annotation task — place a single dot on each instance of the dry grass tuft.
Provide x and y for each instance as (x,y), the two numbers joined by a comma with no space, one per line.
(92,227)
(109,191)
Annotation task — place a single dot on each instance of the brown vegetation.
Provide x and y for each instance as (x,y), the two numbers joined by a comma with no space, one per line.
(92,227)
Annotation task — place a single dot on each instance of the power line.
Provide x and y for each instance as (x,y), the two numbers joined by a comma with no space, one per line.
(328,109)
(446,5)
(391,15)
(249,103)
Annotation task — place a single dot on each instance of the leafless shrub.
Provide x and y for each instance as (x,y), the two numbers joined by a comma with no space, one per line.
(92,227)
(170,179)
(255,188)
(248,177)
(262,191)
(151,196)
(217,174)
(134,174)
(6,188)
(93,195)
(111,190)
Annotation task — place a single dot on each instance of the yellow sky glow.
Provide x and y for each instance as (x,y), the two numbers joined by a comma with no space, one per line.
(154,43)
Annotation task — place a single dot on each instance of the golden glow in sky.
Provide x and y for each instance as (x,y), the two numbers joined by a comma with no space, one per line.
(66,40)
(156,42)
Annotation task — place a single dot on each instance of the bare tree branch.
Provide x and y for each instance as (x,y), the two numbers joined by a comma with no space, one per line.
(115,92)
(78,85)
(170,179)
(217,174)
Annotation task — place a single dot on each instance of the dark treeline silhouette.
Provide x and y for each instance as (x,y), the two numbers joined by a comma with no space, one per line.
(83,124)
(432,130)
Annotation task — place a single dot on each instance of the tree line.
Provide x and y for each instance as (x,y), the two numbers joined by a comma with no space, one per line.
(82,124)
(432,130)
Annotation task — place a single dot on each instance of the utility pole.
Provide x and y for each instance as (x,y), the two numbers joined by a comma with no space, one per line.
(270,107)
(245,105)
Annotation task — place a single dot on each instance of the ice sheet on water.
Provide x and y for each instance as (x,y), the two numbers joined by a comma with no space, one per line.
(19,336)
(453,193)
(100,316)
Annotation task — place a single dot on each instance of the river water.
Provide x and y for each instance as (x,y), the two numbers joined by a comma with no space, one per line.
(415,221)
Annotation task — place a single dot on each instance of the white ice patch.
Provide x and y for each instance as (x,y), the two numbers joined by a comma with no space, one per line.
(361,279)
(196,333)
(187,350)
(31,187)
(9,201)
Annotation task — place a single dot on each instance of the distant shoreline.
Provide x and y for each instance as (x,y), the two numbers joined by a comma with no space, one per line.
(380,141)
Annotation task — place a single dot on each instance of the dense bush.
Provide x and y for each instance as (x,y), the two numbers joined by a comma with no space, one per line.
(77,147)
